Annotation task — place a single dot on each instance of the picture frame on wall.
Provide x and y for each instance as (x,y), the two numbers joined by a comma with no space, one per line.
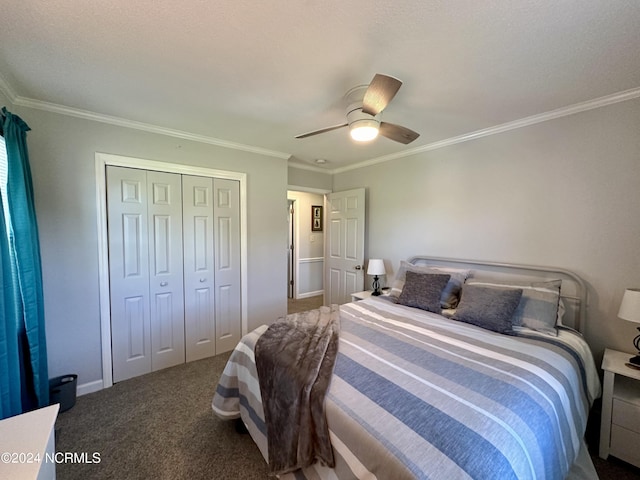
(316,218)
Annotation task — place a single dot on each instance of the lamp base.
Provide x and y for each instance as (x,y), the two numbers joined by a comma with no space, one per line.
(635,360)
(633,365)
(376,286)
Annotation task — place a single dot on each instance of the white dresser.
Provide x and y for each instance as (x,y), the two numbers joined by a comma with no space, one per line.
(27,445)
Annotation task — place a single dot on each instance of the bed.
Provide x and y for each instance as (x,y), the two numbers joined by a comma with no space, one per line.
(437,394)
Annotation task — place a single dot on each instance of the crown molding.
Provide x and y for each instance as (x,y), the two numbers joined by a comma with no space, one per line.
(504,127)
(147,127)
(16,99)
(604,101)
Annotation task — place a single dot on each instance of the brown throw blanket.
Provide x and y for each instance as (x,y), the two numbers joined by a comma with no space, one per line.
(295,359)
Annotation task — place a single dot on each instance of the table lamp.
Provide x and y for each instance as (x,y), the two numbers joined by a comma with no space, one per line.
(375,268)
(630,311)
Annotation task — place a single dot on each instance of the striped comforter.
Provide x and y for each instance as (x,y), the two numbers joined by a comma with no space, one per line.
(415,395)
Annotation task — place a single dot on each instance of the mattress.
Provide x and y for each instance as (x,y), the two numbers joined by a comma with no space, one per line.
(417,395)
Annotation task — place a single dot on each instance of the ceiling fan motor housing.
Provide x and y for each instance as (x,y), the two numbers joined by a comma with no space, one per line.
(362,126)
(357,117)
(354,98)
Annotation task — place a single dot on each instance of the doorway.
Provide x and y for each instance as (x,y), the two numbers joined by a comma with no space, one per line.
(290,263)
(306,251)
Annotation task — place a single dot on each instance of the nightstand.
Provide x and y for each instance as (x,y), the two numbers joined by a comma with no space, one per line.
(620,423)
(366,294)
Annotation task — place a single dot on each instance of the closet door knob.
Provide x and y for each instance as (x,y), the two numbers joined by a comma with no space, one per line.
(202,280)
(164,284)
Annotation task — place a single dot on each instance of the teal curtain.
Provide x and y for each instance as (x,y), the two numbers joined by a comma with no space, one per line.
(25,292)
(10,372)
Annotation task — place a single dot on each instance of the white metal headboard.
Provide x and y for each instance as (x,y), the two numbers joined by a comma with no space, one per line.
(572,292)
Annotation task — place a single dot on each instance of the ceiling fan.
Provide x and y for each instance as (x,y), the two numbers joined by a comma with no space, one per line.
(365,104)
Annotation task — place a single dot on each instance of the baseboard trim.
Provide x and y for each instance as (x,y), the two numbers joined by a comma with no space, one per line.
(310,294)
(89,387)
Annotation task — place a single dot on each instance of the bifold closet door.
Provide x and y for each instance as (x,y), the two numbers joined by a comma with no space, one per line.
(199,272)
(211,216)
(227,263)
(166,289)
(144,216)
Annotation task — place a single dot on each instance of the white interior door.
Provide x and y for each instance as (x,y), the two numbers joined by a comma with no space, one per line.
(226,217)
(165,269)
(129,272)
(145,250)
(199,271)
(345,245)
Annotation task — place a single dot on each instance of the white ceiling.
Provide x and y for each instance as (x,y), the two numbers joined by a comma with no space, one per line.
(258,73)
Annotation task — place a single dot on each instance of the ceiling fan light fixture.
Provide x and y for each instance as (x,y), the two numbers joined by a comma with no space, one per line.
(365,104)
(364,130)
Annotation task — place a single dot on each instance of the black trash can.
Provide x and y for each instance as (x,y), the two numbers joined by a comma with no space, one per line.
(62,390)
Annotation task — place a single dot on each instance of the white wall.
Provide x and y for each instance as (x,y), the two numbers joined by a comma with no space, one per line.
(310,251)
(563,193)
(62,152)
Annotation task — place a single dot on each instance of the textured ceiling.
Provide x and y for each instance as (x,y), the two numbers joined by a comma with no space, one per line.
(258,73)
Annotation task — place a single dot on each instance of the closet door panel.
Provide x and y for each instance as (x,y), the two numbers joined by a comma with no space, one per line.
(198,267)
(166,269)
(226,214)
(129,272)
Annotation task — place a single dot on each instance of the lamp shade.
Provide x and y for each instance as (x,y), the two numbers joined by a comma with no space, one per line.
(630,306)
(376,267)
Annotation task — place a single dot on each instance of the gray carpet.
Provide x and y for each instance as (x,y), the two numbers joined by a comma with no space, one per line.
(161,426)
(304,304)
(157,426)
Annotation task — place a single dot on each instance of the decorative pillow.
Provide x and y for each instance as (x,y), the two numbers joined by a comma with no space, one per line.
(561,311)
(423,290)
(538,308)
(488,307)
(450,294)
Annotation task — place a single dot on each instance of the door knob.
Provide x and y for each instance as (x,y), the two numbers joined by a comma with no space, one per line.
(358,267)
(164,284)
(202,280)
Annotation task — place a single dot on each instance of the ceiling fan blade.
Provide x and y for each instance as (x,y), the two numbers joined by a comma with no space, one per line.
(397,133)
(380,92)
(322,130)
